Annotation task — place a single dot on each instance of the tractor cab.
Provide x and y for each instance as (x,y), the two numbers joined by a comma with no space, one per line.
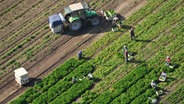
(76,14)
(74,10)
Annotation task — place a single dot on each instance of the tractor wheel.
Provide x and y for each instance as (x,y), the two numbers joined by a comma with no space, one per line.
(75,25)
(95,21)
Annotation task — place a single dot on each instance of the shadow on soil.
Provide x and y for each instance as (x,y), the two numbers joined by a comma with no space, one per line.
(32,82)
(104,26)
(147,41)
(121,18)
(96,80)
(133,53)
(136,61)
(169,79)
(87,58)
(127,27)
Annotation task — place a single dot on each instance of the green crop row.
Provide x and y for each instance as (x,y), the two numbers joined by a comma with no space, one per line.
(104,61)
(118,44)
(32,50)
(10,8)
(22,13)
(113,53)
(122,85)
(55,81)
(113,47)
(144,98)
(177,43)
(110,36)
(153,18)
(134,91)
(28,53)
(20,45)
(25,98)
(58,74)
(71,94)
(35,22)
(52,92)
(79,72)
(18,13)
(52,79)
(142,88)
(72,87)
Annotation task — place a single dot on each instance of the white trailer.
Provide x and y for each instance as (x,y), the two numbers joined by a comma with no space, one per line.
(56,23)
(21,76)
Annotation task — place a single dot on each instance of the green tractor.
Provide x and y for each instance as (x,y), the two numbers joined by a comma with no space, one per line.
(76,15)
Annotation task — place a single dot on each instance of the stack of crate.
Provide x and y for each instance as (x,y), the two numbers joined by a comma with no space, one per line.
(21,76)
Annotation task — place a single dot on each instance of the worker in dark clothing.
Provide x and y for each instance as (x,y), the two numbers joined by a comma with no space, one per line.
(114,24)
(126,53)
(132,34)
(121,24)
(79,55)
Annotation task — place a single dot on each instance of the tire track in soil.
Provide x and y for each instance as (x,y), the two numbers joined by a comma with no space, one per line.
(8,3)
(58,60)
(36,39)
(12,44)
(32,17)
(63,40)
(26,60)
(8,68)
(18,40)
(9,75)
(25,23)
(39,27)
(20,49)
(22,63)
(27,20)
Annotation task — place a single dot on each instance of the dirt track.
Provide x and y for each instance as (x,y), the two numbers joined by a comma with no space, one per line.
(64,47)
